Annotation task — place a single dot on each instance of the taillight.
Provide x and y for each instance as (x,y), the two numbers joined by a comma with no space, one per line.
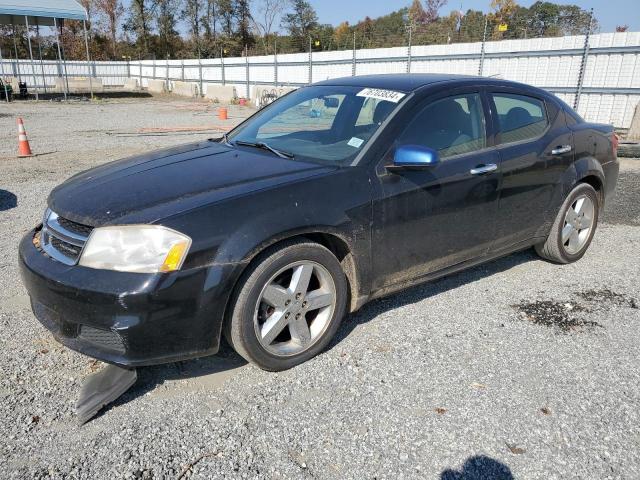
(615,140)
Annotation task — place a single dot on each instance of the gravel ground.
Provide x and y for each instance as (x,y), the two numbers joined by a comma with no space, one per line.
(514,369)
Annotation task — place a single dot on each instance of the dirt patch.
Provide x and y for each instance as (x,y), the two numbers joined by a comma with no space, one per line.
(561,315)
(608,297)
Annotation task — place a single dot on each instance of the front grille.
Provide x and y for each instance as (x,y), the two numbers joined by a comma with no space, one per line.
(66,248)
(63,239)
(74,227)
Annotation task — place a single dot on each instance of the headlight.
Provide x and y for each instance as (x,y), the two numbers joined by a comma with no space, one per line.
(135,248)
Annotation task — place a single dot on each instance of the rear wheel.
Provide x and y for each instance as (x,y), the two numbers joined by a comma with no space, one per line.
(574,227)
(288,306)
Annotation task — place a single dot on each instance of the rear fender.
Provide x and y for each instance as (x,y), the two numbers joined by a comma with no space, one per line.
(581,168)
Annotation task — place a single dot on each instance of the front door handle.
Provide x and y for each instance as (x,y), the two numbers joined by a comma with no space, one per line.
(489,167)
(561,149)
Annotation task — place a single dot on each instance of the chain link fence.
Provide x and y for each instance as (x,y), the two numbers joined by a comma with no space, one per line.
(599,74)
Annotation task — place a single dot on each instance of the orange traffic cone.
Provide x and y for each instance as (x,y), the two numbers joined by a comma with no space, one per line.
(24,150)
(222,113)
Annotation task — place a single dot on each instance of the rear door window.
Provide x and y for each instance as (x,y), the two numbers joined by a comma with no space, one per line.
(520,117)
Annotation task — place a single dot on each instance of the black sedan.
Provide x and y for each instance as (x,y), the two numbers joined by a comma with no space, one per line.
(335,194)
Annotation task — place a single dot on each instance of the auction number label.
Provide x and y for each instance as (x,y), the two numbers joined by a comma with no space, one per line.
(381,94)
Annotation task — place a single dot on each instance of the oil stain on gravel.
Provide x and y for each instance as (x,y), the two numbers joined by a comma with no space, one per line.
(566,316)
(607,297)
(561,315)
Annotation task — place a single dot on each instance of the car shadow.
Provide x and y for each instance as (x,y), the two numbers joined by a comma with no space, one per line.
(227,359)
(479,467)
(8,200)
(149,378)
(429,289)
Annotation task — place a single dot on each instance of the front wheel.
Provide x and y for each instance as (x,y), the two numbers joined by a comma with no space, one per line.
(288,306)
(574,227)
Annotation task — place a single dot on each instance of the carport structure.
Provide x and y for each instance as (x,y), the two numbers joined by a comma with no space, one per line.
(40,13)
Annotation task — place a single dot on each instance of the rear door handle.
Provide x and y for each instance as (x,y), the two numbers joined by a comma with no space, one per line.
(561,149)
(489,167)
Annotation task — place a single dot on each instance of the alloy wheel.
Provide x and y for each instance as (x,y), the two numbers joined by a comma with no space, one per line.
(578,222)
(294,308)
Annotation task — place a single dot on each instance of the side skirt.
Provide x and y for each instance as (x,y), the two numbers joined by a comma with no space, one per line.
(458,267)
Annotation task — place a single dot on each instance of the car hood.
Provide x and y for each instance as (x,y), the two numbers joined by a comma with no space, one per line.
(149,187)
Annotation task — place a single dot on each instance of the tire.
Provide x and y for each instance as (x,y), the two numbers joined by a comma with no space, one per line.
(271,306)
(554,248)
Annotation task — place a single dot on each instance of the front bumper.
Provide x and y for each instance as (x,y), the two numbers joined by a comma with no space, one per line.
(128,319)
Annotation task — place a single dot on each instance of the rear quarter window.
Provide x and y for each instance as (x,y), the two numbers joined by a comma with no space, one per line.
(520,117)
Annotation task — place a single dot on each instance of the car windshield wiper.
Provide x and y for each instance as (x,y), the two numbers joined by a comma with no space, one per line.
(225,139)
(265,146)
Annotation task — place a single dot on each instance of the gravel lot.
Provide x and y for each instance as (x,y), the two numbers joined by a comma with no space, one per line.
(514,369)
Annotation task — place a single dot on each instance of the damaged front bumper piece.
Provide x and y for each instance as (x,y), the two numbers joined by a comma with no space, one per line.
(127,320)
(102,388)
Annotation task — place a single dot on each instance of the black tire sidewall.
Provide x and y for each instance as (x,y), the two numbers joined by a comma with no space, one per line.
(582,189)
(242,329)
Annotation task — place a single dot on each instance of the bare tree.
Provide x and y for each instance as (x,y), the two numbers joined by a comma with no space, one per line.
(141,14)
(210,19)
(267,12)
(433,6)
(192,13)
(166,22)
(112,11)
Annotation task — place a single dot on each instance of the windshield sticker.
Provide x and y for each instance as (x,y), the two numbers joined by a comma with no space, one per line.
(355,142)
(381,94)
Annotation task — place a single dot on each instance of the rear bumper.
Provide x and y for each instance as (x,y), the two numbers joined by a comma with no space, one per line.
(127,319)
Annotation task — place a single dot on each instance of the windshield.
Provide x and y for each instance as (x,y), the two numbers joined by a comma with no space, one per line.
(330,124)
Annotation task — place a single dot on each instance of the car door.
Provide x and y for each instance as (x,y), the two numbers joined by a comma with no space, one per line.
(535,147)
(425,220)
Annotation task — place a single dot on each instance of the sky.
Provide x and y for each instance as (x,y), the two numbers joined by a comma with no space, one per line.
(608,12)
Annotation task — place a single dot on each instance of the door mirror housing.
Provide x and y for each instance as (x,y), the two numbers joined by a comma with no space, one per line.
(414,157)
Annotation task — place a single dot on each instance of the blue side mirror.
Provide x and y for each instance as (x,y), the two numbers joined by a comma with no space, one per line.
(415,157)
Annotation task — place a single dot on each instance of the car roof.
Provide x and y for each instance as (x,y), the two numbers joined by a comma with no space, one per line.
(406,82)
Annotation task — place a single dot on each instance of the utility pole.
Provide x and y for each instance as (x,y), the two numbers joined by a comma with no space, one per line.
(353,63)
(310,63)
(484,39)
(409,49)
(583,64)
(275,63)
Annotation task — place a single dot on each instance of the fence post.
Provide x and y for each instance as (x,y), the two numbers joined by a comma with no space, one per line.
(200,72)
(167,75)
(310,63)
(6,95)
(222,65)
(33,70)
(182,69)
(484,39)
(353,61)
(583,63)
(409,50)
(246,57)
(140,70)
(275,63)
(154,68)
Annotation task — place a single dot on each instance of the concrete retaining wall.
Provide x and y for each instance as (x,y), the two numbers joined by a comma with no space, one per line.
(221,93)
(131,84)
(80,85)
(156,86)
(634,130)
(185,89)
